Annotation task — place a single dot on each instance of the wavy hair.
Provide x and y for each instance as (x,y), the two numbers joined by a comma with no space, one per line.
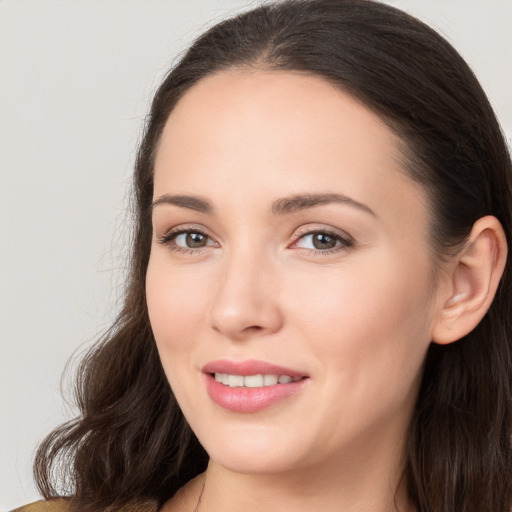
(131,444)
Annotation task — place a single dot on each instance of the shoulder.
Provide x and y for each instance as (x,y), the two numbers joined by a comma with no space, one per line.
(56,505)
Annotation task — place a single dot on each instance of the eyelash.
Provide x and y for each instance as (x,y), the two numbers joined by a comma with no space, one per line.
(344,242)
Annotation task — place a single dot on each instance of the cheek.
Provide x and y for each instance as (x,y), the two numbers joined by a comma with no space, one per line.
(174,306)
(370,341)
(372,323)
(175,312)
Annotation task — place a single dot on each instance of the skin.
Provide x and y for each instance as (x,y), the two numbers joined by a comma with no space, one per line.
(357,320)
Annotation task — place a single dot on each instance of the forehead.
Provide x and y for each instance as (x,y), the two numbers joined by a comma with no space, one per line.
(281,133)
(277,109)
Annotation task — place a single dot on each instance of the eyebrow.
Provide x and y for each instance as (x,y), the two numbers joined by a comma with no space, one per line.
(303,201)
(190,202)
(282,206)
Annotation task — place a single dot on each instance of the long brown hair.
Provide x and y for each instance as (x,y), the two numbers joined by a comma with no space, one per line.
(131,444)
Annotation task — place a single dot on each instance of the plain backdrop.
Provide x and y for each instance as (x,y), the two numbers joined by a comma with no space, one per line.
(76,77)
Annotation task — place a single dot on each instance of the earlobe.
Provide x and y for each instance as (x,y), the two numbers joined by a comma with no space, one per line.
(473,280)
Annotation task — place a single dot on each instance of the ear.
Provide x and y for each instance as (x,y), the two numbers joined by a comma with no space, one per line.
(472,281)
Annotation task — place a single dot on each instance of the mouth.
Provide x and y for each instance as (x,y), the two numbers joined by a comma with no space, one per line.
(250,386)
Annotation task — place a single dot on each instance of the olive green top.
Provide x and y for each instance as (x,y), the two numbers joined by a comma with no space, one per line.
(63,505)
(57,505)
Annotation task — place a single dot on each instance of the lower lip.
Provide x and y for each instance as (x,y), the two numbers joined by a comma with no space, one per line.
(247,400)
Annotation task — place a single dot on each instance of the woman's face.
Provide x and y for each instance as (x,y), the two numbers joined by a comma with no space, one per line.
(289,245)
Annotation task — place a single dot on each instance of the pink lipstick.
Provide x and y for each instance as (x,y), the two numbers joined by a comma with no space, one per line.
(250,386)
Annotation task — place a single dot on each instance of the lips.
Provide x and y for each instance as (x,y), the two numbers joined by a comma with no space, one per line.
(249,367)
(250,386)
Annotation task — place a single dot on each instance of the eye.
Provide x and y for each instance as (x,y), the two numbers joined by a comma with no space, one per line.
(191,240)
(323,241)
(184,239)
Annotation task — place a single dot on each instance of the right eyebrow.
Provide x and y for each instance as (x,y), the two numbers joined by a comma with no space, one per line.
(190,202)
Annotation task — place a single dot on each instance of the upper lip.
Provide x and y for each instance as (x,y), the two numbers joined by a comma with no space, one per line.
(249,367)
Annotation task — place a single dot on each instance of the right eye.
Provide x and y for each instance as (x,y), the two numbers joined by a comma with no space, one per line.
(191,240)
(186,240)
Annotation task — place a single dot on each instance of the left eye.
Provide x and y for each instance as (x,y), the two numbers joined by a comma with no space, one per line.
(321,241)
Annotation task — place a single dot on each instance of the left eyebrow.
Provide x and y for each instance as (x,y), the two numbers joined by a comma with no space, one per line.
(303,201)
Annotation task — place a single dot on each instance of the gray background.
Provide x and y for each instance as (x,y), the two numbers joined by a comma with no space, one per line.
(76,77)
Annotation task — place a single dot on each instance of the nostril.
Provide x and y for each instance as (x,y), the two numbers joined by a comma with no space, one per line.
(253,328)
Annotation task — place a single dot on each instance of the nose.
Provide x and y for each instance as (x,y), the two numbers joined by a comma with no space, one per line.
(246,303)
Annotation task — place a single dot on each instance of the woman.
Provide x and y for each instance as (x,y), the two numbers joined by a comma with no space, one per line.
(319,274)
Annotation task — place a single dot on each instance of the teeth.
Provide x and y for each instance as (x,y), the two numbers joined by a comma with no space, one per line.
(235,381)
(270,380)
(253,381)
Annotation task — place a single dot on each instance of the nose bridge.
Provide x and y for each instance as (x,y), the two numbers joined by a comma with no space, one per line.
(245,302)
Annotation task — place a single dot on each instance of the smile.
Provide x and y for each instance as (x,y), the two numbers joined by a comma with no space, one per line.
(253,381)
(250,386)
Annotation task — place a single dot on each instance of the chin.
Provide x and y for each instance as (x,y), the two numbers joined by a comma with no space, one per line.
(254,463)
(251,452)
